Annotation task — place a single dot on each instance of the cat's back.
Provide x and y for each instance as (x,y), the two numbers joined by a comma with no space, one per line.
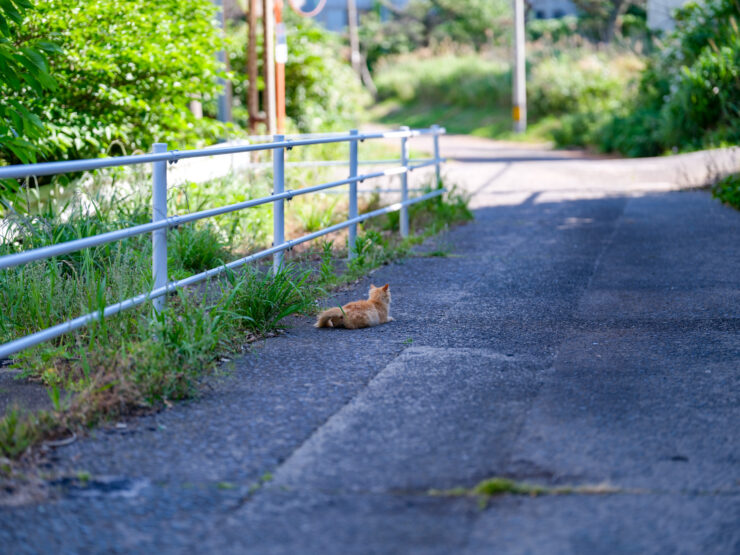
(359,306)
(360,314)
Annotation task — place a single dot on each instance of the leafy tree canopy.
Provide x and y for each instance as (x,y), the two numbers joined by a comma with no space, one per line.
(24,74)
(126,72)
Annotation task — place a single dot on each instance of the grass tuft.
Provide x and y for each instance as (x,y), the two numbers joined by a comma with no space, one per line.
(192,249)
(260,300)
(497,486)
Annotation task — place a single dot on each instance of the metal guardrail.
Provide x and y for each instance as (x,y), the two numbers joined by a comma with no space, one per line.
(161,222)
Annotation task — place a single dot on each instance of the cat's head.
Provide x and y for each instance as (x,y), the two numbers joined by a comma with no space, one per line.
(380,293)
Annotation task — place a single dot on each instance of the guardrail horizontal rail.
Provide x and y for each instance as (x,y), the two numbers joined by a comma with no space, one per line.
(162,222)
(73,166)
(11,260)
(55,331)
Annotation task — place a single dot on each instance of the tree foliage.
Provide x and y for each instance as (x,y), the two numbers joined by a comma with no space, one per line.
(423,23)
(601,18)
(126,72)
(24,76)
(24,73)
(690,93)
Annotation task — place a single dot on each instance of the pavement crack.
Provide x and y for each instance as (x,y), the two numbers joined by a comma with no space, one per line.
(608,242)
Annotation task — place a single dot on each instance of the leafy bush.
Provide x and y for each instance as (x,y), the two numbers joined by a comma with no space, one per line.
(468,80)
(584,87)
(552,30)
(126,73)
(573,82)
(24,74)
(728,190)
(689,96)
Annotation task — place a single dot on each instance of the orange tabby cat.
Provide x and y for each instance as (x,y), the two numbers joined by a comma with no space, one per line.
(359,314)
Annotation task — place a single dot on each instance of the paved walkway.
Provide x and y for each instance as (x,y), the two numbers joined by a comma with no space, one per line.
(584,330)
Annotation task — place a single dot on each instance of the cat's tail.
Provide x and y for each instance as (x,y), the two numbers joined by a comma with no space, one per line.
(331,318)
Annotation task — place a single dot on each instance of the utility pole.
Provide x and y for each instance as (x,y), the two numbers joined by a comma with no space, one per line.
(281,57)
(224,97)
(253,102)
(354,39)
(268,25)
(519,75)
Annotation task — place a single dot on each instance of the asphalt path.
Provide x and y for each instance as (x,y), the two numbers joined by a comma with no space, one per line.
(584,330)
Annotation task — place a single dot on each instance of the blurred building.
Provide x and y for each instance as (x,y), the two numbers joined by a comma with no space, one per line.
(660,13)
(551,9)
(334,14)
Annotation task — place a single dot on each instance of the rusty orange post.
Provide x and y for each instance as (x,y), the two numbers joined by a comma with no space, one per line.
(281,56)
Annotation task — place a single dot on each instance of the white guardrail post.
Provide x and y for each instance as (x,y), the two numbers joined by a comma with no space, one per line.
(352,237)
(278,206)
(404,220)
(435,130)
(159,236)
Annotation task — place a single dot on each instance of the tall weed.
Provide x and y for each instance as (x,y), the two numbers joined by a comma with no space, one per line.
(260,300)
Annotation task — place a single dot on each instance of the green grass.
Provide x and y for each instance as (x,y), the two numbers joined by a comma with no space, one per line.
(259,300)
(471,94)
(497,486)
(493,122)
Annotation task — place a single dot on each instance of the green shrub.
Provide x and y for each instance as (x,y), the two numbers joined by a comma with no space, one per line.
(126,73)
(472,93)
(689,95)
(574,82)
(706,101)
(728,190)
(552,30)
(467,80)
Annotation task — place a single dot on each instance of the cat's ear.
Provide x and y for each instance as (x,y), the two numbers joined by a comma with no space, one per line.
(372,287)
(385,287)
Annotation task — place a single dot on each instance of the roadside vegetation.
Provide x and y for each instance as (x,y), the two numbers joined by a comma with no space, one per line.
(621,90)
(139,361)
(77,81)
(728,190)
(471,93)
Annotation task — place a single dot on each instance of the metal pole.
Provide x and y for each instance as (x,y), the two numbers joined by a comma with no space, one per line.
(435,130)
(352,195)
(278,207)
(519,111)
(252,92)
(159,237)
(268,20)
(354,39)
(404,224)
(224,96)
